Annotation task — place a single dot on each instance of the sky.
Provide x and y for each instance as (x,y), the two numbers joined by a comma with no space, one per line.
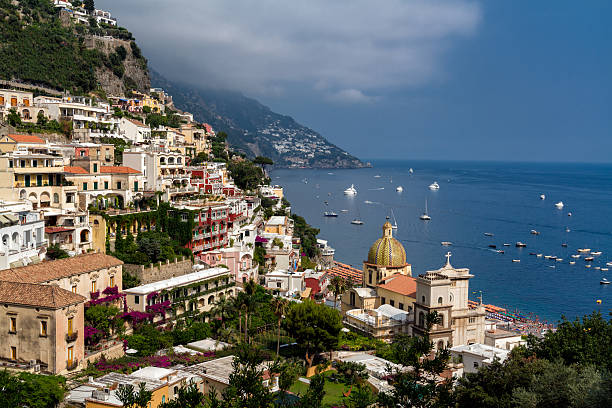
(397,79)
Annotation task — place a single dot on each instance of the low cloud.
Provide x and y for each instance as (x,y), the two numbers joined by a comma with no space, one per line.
(345,49)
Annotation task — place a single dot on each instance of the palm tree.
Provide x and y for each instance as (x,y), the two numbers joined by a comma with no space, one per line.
(249,304)
(238,305)
(220,308)
(279,306)
(338,286)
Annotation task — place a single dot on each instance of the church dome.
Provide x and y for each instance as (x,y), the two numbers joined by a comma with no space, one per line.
(387,251)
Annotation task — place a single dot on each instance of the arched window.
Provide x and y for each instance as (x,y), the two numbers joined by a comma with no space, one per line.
(211,299)
(422,319)
(55,198)
(440,344)
(450,298)
(440,300)
(423,299)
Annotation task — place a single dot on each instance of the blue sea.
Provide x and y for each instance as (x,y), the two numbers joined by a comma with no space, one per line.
(474,198)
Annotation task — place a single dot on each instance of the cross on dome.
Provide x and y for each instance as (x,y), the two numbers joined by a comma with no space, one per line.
(448,256)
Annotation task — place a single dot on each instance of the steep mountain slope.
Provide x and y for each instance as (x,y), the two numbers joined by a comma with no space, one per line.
(255,129)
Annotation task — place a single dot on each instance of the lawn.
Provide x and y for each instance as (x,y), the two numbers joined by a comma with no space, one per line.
(333,391)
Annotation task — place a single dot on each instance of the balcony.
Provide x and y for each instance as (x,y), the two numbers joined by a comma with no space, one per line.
(71,337)
(71,364)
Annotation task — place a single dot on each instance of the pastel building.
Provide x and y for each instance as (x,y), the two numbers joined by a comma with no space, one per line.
(22,235)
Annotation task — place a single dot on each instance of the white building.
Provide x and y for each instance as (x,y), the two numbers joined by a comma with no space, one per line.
(133,130)
(162,170)
(22,235)
(477,355)
(382,323)
(502,339)
(285,281)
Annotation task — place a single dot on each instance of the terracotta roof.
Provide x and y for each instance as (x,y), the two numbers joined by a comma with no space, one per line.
(118,169)
(137,123)
(346,271)
(75,170)
(399,283)
(55,230)
(29,294)
(60,268)
(26,139)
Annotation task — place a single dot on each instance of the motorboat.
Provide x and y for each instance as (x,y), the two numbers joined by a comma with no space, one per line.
(520,245)
(488,234)
(584,250)
(357,221)
(604,269)
(500,251)
(569,214)
(492,246)
(547,256)
(597,268)
(399,189)
(330,214)
(576,256)
(572,262)
(532,253)
(534,232)
(377,176)
(411,171)
(351,190)
(446,243)
(538,255)
(552,266)
(559,259)
(589,259)
(564,245)
(587,265)
(434,186)
(559,205)
(567,229)
(553,257)
(542,197)
(368,202)
(596,253)
(516,260)
(344,211)
(506,244)
(604,281)
(608,263)
(425,216)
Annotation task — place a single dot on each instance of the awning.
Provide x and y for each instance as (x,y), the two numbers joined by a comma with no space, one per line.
(12,217)
(17,264)
(4,221)
(35,259)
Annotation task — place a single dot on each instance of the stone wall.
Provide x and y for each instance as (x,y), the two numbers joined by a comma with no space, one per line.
(159,271)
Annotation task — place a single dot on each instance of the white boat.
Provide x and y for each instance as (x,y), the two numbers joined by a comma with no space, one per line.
(587,265)
(520,245)
(559,205)
(597,268)
(330,214)
(434,186)
(357,221)
(344,211)
(542,197)
(377,176)
(351,190)
(596,253)
(394,226)
(569,214)
(446,243)
(604,269)
(559,259)
(572,262)
(534,232)
(411,171)
(425,216)
(505,244)
(589,259)
(604,281)
(539,255)
(488,234)
(576,256)
(584,250)
(608,263)
(399,189)
(516,260)
(368,202)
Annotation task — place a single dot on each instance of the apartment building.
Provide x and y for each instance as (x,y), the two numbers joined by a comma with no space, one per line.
(211,226)
(22,235)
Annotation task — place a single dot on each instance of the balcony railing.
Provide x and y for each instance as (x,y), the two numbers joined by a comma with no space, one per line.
(70,337)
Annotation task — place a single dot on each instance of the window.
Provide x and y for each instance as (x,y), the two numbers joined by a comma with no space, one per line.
(352,298)
(475,364)
(74,288)
(112,281)
(370,277)
(106,185)
(43,328)
(472,320)
(135,185)
(70,354)
(34,163)
(118,185)
(10,163)
(84,186)
(441,316)
(382,300)
(95,185)
(278,284)
(136,299)
(70,325)
(440,300)
(422,319)
(423,299)
(392,302)
(401,306)
(55,198)
(94,287)
(69,198)
(13,353)
(22,163)
(95,166)
(13,325)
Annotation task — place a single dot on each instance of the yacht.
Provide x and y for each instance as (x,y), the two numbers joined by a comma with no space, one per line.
(559,205)
(604,281)
(357,221)
(351,190)
(399,189)
(425,216)
(434,186)
(330,214)
(538,255)
(506,244)
(542,197)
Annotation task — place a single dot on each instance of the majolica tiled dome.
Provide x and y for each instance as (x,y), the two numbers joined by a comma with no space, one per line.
(387,251)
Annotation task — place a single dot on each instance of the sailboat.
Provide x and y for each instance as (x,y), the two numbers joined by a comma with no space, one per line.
(357,221)
(394,226)
(425,216)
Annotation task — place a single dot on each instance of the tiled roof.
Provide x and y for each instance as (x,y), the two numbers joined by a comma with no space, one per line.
(75,170)
(346,271)
(29,294)
(399,283)
(26,139)
(60,268)
(137,123)
(118,169)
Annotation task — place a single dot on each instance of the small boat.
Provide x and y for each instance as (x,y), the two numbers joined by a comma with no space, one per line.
(604,269)
(434,186)
(394,226)
(542,197)
(567,229)
(357,221)
(596,253)
(330,214)
(559,259)
(539,255)
(351,190)
(492,246)
(564,245)
(597,268)
(608,263)
(520,245)
(534,232)
(604,281)
(569,214)
(344,211)
(589,259)
(331,174)
(516,260)
(446,243)
(553,257)
(488,234)
(559,205)
(368,202)
(587,265)
(326,203)
(572,262)
(399,189)
(552,266)
(584,250)
(576,256)
(506,244)
(411,171)
(500,251)
(377,176)
(425,216)
(532,253)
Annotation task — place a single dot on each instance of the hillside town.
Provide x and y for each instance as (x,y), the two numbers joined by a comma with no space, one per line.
(144,262)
